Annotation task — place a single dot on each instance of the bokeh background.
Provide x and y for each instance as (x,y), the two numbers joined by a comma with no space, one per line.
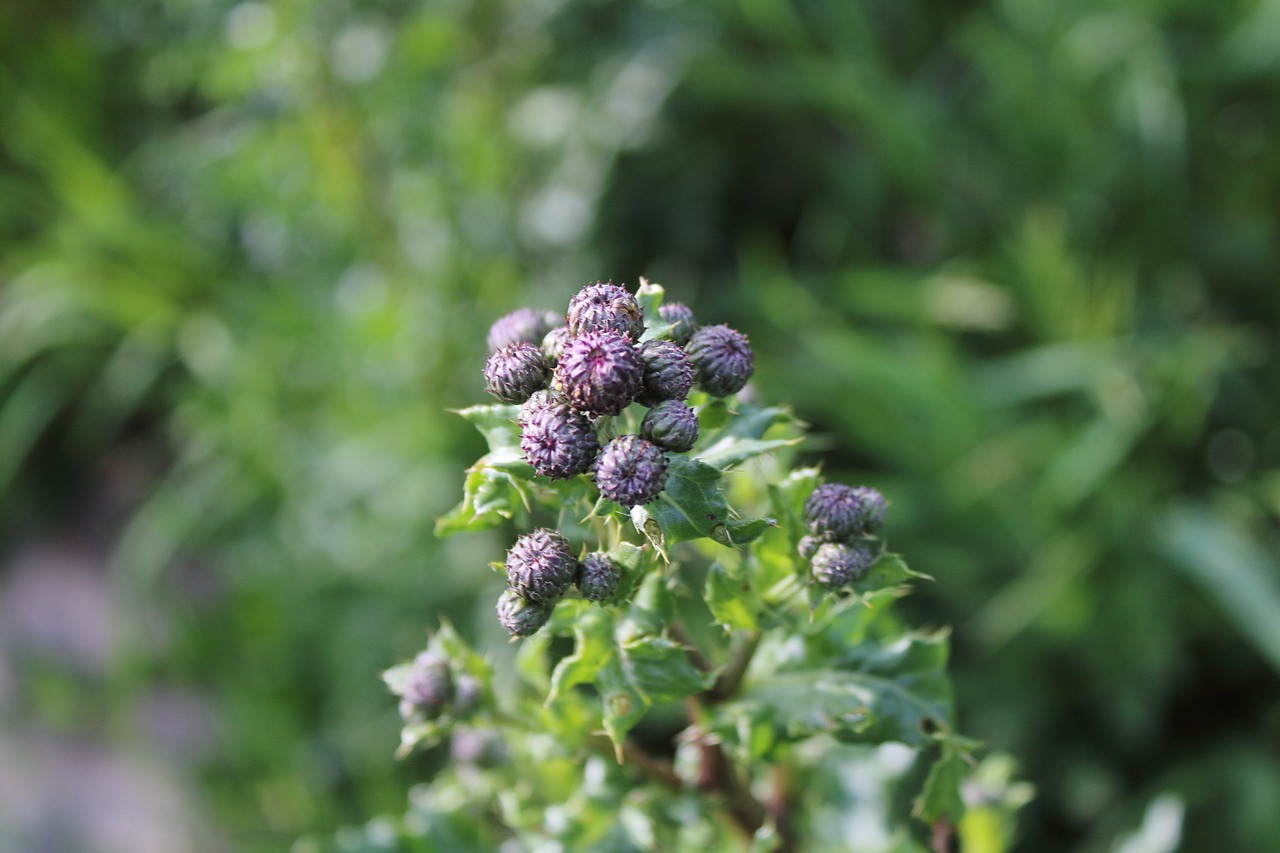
(1017,262)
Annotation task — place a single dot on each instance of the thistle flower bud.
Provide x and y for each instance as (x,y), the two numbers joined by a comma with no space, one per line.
(515,372)
(808,546)
(521,618)
(721,359)
(598,577)
(553,344)
(428,688)
(540,566)
(873,509)
(836,565)
(467,693)
(481,748)
(671,425)
(683,323)
(600,373)
(558,442)
(835,512)
(605,305)
(631,471)
(522,324)
(538,401)
(668,375)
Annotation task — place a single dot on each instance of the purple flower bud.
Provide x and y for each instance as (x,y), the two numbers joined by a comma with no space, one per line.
(598,577)
(671,425)
(467,695)
(668,375)
(808,546)
(428,688)
(520,617)
(631,471)
(605,306)
(540,566)
(553,344)
(600,373)
(835,512)
(482,748)
(836,565)
(558,442)
(522,324)
(721,359)
(873,508)
(540,400)
(515,372)
(683,323)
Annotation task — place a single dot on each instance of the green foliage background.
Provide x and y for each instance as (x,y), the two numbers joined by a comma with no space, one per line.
(1015,261)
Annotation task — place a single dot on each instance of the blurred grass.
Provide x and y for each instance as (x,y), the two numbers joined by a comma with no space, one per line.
(1015,260)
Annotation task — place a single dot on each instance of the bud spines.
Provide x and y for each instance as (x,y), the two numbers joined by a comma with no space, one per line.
(668,375)
(600,372)
(671,425)
(540,566)
(604,306)
(836,565)
(516,371)
(558,442)
(598,577)
(721,358)
(631,471)
(521,618)
(683,323)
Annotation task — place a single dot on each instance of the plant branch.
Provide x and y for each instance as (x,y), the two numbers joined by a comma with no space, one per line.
(696,657)
(731,677)
(654,769)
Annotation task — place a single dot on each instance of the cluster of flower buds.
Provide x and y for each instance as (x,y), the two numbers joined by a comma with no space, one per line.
(431,689)
(540,569)
(567,377)
(568,380)
(842,522)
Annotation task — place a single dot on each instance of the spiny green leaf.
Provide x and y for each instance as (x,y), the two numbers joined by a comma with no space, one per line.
(497,423)
(732,602)
(593,649)
(692,507)
(731,451)
(660,669)
(751,422)
(940,797)
(490,494)
(875,694)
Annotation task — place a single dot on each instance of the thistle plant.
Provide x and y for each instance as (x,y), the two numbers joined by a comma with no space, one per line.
(706,636)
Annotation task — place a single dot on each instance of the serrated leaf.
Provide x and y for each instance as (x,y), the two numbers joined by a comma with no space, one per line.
(889,570)
(875,694)
(731,451)
(752,422)
(660,670)
(940,797)
(633,560)
(643,672)
(692,507)
(713,416)
(649,295)
(788,499)
(732,602)
(496,423)
(490,495)
(593,648)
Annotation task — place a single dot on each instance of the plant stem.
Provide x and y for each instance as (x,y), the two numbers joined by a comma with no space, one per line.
(654,769)
(731,677)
